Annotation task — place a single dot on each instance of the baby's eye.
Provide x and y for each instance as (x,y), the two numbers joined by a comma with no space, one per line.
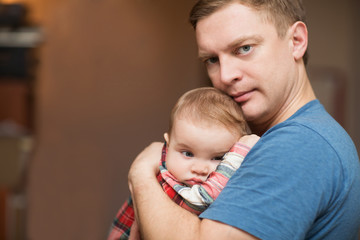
(218,158)
(187,154)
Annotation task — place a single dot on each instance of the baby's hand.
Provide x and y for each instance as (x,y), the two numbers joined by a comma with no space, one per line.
(249,140)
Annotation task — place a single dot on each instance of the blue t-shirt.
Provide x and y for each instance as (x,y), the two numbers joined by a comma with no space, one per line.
(300,181)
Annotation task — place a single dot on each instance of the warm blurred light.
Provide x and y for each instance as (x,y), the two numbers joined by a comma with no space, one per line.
(9,1)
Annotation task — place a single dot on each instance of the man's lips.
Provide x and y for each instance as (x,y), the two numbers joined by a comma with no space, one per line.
(242,97)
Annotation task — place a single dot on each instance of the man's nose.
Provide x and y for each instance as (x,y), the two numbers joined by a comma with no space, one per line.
(230,70)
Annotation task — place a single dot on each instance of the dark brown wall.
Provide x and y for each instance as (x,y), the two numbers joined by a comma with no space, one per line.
(356,69)
(109,74)
(333,40)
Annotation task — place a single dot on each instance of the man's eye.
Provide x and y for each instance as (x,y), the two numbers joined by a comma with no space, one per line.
(211,60)
(187,154)
(244,50)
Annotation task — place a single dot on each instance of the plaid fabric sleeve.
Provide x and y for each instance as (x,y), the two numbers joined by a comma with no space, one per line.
(198,197)
(120,228)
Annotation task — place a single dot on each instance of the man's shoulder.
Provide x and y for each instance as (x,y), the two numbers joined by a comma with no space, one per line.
(311,137)
(313,124)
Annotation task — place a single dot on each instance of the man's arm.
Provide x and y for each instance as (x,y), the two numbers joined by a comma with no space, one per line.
(158,217)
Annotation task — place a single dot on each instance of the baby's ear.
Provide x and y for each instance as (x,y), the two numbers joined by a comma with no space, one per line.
(166,137)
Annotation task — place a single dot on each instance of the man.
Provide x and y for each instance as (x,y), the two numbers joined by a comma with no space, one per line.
(302,179)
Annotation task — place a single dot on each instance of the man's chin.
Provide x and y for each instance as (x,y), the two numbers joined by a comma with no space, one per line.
(249,111)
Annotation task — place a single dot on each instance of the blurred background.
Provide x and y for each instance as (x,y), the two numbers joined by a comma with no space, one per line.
(85,85)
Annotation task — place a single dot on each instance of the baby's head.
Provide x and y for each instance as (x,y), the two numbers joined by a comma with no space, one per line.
(208,105)
(204,124)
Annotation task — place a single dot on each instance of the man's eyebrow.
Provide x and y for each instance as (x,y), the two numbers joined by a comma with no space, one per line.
(204,56)
(253,39)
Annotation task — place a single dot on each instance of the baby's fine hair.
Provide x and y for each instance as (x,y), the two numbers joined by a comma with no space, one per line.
(210,105)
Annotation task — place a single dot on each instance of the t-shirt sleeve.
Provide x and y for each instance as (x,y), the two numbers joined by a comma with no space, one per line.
(284,183)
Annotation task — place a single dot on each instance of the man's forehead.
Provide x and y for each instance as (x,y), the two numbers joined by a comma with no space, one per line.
(229,27)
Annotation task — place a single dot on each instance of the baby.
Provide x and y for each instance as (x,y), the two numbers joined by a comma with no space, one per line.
(199,156)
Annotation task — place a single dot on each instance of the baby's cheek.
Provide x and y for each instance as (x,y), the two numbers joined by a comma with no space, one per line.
(214,165)
(170,166)
(176,169)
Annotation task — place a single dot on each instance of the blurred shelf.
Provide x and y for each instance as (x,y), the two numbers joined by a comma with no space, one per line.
(26,37)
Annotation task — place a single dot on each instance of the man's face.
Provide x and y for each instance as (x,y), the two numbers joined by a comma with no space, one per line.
(246,59)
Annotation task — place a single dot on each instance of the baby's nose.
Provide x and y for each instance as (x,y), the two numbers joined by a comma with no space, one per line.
(200,169)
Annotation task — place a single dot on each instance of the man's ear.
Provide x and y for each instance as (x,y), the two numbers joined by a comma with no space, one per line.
(166,137)
(299,39)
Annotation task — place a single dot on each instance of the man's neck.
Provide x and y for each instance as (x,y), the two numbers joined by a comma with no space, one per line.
(298,99)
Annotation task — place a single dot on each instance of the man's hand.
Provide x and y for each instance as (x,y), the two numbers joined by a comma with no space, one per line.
(145,165)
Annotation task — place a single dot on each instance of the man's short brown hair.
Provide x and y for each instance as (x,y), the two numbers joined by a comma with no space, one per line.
(282,13)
